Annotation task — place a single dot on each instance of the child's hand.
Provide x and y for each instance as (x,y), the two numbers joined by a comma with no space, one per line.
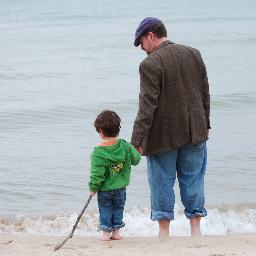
(93,193)
(139,149)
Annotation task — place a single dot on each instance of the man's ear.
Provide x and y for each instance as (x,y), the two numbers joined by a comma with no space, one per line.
(152,35)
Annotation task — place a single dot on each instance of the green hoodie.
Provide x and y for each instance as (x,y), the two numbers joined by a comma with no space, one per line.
(111,166)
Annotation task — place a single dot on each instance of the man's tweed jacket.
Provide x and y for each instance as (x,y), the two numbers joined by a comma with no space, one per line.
(174,100)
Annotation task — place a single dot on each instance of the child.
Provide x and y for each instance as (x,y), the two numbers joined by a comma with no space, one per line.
(110,173)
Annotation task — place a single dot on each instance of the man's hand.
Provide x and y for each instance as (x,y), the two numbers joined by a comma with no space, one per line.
(93,193)
(208,131)
(139,149)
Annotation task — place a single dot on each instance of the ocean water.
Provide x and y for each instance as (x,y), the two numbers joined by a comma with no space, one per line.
(63,62)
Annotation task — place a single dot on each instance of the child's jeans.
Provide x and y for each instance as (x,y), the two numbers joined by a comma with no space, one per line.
(111,208)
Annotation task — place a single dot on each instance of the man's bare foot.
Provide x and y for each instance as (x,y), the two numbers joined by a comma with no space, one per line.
(115,235)
(195,226)
(105,236)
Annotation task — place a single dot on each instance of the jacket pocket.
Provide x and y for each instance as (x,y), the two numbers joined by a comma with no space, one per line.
(197,125)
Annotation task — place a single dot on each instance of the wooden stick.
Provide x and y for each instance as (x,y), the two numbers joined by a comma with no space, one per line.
(57,247)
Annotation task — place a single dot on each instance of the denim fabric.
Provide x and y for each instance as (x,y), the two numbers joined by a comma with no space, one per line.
(111,207)
(188,163)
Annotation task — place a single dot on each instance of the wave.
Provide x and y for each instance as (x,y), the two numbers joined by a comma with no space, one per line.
(234,101)
(220,221)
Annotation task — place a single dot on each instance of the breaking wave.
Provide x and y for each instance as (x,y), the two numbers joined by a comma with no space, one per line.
(220,221)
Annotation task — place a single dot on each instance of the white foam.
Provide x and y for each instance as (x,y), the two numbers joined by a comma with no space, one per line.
(137,221)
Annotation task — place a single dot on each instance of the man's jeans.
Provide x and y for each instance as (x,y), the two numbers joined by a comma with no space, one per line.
(111,208)
(189,162)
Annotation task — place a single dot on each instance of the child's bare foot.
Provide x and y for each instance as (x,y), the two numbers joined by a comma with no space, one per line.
(105,236)
(115,235)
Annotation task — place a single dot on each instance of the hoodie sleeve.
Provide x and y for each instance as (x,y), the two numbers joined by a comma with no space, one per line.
(135,156)
(97,173)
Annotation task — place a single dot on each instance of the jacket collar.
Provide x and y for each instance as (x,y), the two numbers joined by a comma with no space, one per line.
(164,44)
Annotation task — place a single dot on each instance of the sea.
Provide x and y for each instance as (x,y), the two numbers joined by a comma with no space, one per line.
(63,62)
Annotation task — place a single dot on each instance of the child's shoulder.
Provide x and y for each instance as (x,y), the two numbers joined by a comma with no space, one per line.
(96,150)
(97,154)
(127,144)
(124,142)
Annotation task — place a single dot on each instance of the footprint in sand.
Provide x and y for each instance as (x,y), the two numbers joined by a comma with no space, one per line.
(198,246)
(49,245)
(8,242)
(217,254)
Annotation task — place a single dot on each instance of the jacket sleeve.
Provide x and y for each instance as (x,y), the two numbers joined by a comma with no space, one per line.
(205,91)
(150,84)
(135,156)
(97,174)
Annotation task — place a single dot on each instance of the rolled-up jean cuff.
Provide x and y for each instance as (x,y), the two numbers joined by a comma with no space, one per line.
(119,226)
(105,228)
(159,215)
(195,212)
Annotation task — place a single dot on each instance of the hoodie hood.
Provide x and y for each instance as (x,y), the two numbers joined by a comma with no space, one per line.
(114,153)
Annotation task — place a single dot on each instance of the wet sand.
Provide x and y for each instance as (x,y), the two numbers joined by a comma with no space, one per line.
(32,245)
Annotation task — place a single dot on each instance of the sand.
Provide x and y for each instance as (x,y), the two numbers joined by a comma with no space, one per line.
(230,245)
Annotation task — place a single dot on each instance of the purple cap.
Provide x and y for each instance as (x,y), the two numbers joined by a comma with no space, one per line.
(143,27)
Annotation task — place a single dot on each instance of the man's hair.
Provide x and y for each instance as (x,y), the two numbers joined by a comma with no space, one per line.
(108,122)
(158,29)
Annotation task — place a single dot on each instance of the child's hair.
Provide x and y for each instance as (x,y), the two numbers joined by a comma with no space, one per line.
(108,122)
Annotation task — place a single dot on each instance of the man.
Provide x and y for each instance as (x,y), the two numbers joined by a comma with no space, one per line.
(172,123)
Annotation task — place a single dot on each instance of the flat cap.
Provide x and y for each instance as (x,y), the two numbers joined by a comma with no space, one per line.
(143,27)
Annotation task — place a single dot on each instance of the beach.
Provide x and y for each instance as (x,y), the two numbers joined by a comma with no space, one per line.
(28,245)
(63,62)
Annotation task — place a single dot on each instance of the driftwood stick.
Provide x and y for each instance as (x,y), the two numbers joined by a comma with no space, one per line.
(57,247)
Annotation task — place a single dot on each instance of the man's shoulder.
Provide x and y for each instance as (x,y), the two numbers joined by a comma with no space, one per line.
(151,62)
(186,48)
(150,58)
